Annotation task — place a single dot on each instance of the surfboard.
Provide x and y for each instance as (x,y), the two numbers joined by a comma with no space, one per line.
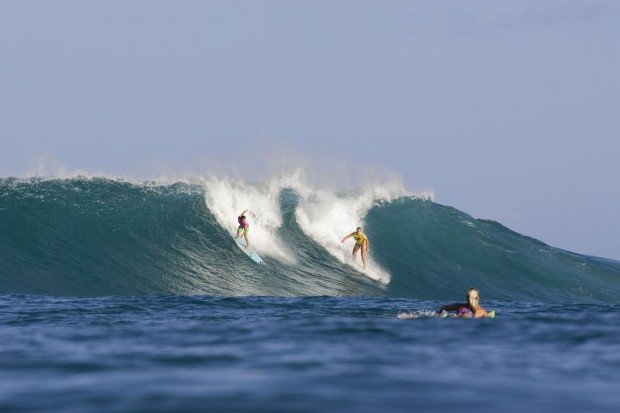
(248,251)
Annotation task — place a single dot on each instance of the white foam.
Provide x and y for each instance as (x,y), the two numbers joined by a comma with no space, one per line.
(227,199)
(327,217)
(407,315)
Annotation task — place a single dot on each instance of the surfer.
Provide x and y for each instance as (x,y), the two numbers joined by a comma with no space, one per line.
(361,243)
(470,309)
(244,228)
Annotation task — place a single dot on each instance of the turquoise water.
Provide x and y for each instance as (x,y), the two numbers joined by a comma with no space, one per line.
(117,296)
(98,237)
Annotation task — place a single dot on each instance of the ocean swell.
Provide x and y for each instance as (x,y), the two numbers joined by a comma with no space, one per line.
(99,236)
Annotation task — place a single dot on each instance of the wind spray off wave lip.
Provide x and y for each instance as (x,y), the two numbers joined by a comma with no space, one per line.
(98,236)
(322,214)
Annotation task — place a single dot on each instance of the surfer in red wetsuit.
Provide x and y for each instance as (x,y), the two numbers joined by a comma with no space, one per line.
(244,228)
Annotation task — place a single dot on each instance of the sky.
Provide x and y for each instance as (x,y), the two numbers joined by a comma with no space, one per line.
(505,110)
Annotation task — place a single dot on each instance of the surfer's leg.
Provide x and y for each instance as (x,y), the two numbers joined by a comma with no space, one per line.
(355,248)
(363,253)
(239,231)
(245,235)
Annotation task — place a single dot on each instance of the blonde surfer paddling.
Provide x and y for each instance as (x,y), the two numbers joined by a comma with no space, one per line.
(470,309)
(361,243)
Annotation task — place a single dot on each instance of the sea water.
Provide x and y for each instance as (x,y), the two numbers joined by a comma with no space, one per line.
(312,354)
(121,296)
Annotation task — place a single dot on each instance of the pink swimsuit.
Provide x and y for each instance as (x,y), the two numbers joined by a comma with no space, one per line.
(465,310)
(243,223)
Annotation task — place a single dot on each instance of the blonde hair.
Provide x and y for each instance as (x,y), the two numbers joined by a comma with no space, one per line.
(470,295)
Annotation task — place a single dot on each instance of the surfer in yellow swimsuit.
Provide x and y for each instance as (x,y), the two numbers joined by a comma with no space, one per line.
(361,243)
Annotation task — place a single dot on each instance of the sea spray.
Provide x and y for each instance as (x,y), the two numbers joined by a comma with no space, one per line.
(227,199)
(327,217)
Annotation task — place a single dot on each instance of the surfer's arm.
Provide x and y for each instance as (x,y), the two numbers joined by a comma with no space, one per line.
(348,236)
(481,313)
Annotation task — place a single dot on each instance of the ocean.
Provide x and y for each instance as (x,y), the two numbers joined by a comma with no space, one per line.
(118,296)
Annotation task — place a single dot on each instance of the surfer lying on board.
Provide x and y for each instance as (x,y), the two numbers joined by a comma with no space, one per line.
(470,309)
(361,242)
(244,228)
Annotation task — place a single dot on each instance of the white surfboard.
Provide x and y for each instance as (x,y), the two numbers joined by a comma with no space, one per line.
(248,251)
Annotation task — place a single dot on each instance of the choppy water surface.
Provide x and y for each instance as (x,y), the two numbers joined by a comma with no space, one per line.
(179,353)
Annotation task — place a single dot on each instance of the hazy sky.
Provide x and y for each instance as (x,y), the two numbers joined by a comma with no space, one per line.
(508,110)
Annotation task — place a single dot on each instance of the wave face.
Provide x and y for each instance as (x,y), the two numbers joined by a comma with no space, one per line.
(100,237)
